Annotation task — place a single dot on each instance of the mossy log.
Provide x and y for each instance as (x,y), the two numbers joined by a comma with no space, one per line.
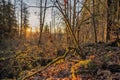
(49,64)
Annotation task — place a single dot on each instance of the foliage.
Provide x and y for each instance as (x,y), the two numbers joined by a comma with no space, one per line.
(8,23)
(20,59)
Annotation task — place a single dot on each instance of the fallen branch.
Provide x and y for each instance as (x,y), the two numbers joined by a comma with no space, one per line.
(40,70)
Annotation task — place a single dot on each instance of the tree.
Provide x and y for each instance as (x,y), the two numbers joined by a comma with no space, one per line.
(71,19)
(21,22)
(112,16)
(42,18)
(25,19)
(46,29)
(8,20)
(93,18)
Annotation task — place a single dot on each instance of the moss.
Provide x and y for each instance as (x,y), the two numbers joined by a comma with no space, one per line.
(83,63)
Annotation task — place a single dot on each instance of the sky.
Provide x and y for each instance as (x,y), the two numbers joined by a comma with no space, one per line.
(34,12)
(34,17)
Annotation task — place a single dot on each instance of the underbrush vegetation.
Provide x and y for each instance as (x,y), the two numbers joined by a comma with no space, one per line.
(21,60)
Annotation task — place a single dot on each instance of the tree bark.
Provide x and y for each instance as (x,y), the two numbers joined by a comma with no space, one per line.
(94,24)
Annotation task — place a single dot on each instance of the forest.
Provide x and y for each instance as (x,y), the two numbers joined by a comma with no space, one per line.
(59,39)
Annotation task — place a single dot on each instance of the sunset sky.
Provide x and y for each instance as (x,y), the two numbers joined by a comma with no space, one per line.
(34,12)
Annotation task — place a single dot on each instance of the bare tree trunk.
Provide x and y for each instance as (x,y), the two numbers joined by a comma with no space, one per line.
(69,26)
(108,22)
(118,17)
(77,27)
(21,30)
(118,10)
(70,12)
(74,15)
(94,24)
(18,24)
(42,19)
(54,24)
(50,29)
(40,22)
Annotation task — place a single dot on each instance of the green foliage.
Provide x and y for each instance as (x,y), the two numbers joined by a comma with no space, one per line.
(16,61)
(7,19)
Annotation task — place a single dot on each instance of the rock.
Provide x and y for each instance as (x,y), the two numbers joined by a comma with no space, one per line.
(103,75)
(113,68)
(116,76)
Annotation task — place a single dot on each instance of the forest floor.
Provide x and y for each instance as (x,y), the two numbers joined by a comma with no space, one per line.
(102,62)
(104,66)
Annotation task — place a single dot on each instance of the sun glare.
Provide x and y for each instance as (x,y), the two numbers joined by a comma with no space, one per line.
(28,30)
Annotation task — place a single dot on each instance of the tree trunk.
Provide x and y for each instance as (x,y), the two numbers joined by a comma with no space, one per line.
(94,24)
(21,30)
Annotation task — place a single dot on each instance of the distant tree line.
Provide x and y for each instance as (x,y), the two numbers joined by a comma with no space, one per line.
(8,23)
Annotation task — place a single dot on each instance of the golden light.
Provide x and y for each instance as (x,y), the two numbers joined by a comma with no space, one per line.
(28,32)
(28,29)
